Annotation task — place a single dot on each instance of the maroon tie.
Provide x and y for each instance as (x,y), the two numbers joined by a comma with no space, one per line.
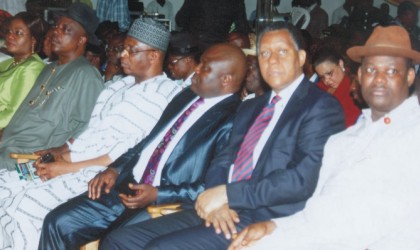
(151,167)
(243,165)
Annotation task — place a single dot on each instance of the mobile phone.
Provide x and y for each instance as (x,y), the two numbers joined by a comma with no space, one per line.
(46,158)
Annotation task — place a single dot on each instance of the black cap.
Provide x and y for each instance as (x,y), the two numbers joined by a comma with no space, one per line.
(183,44)
(85,16)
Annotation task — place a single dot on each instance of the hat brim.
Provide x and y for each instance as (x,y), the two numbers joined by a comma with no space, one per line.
(358,52)
(92,38)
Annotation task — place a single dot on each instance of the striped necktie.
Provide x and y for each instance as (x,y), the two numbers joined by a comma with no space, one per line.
(243,165)
(151,167)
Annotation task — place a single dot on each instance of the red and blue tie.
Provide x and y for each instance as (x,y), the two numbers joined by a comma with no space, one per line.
(151,167)
(243,165)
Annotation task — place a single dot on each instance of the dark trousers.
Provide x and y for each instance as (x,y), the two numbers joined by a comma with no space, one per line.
(79,221)
(183,230)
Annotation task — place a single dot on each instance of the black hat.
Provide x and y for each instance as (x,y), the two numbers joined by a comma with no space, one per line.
(183,44)
(85,16)
(105,27)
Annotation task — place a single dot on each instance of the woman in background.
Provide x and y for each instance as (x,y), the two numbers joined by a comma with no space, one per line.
(335,80)
(24,39)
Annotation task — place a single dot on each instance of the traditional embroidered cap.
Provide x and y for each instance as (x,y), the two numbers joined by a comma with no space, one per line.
(183,44)
(150,32)
(386,41)
(85,16)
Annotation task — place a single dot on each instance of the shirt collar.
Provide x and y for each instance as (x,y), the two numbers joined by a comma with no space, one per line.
(287,92)
(404,110)
(215,100)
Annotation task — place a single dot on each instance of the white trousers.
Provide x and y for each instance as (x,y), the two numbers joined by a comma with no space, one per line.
(24,204)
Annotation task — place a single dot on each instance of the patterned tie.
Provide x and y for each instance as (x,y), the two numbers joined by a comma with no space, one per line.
(243,166)
(150,171)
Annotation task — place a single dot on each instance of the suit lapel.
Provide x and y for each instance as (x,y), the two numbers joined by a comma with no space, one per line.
(203,124)
(173,109)
(292,109)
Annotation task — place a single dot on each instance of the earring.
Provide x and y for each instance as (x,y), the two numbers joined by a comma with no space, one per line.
(33,48)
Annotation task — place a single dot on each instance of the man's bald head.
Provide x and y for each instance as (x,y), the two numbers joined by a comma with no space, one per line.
(221,71)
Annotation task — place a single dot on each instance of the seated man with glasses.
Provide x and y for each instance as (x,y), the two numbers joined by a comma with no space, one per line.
(113,70)
(124,114)
(183,57)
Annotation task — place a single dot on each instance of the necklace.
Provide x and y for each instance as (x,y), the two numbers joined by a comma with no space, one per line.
(43,89)
(17,62)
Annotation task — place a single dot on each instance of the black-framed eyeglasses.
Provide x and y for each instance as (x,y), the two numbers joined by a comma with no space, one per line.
(176,60)
(132,52)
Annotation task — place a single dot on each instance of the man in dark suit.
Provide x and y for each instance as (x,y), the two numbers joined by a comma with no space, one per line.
(167,166)
(270,166)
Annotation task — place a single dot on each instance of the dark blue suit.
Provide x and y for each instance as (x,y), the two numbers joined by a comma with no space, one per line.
(182,178)
(284,177)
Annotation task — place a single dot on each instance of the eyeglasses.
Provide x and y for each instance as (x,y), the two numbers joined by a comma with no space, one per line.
(132,52)
(118,49)
(175,61)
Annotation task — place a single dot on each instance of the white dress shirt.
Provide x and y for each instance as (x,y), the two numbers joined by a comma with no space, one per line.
(188,123)
(285,95)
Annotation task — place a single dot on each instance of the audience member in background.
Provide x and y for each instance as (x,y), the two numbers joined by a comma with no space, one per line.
(124,114)
(318,20)
(24,39)
(163,7)
(365,17)
(334,79)
(239,39)
(269,167)
(50,56)
(113,69)
(211,20)
(167,166)
(254,83)
(4,23)
(310,47)
(95,54)
(367,193)
(183,57)
(106,30)
(343,12)
(114,11)
(385,11)
(13,6)
(407,16)
(60,103)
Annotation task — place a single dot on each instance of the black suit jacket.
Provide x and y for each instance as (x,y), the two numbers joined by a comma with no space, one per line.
(287,170)
(183,174)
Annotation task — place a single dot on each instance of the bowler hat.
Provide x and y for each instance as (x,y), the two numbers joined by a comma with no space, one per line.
(85,16)
(386,41)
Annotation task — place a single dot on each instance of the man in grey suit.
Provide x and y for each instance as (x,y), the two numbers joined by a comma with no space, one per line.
(270,166)
(167,166)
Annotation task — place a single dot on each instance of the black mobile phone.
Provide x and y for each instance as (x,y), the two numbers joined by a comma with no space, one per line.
(46,158)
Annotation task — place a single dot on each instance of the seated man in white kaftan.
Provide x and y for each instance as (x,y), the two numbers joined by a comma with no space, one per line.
(368,190)
(124,114)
